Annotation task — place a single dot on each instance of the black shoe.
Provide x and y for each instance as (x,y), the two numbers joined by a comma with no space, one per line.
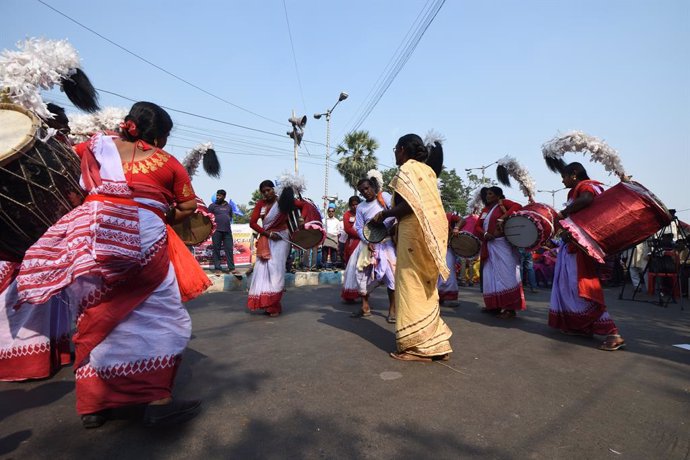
(172,413)
(94,420)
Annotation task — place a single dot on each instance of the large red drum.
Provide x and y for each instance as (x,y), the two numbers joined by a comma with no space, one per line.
(531,226)
(617,219)
(39,181)
(305,226)
(466,244)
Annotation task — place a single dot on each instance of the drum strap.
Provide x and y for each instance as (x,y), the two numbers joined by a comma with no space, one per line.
(125,201)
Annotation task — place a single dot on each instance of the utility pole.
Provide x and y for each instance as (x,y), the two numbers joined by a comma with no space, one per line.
(297,133)
(327,113)
(553,195)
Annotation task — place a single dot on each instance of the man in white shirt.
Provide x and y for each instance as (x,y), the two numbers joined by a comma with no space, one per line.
(333,227)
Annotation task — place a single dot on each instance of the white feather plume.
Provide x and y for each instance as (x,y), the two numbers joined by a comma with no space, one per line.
(83,126)
(577,141)
(298,183)
(432,137)
(476,204)
(193,158)
(520,174)
(376,174)
(38,64)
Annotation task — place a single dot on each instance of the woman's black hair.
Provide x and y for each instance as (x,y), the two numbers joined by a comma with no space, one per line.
(286,200)
(354,198)
(482,194)
(372,181)
(577,169)
(266,183)
(414,147)
(498,191)
(152,122)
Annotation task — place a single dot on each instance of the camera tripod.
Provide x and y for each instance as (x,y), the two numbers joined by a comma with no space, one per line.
(657,252)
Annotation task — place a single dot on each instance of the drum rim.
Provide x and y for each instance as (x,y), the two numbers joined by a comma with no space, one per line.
(195,216)
(30,138)
(368,229)
(537,242)
(307,231)
(473,237)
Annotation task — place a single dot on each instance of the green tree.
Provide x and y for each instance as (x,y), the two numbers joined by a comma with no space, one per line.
(256,196)
(453,191)
(358,157)
(247,214)
(388,175)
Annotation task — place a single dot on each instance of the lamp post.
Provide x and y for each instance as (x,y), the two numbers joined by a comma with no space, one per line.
(483,169)
(327,113)
(553,195)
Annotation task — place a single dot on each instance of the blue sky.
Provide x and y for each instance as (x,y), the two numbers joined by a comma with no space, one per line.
(495,78)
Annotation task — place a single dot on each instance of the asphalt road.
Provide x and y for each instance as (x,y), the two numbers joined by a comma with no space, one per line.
(315,383)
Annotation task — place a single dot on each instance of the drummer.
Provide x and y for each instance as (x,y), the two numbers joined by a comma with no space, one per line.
(375,262)
(448,289)
(577,304)
(501,282)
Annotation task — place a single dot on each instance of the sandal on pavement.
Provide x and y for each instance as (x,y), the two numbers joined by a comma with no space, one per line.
(173,413)
(409,357)
(612,343)
(507,314)
(391,319)
(94,420)
(360,314)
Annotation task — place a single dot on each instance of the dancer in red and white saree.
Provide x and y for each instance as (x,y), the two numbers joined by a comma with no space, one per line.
(577,305)
(34,340)
(272,248)
(111,256)
(501,281)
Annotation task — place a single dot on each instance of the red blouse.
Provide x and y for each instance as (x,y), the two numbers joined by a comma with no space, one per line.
(159,176)
(349,225)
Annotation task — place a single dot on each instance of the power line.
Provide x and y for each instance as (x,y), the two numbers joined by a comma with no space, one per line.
(294,56)
(155,65)
(400,62)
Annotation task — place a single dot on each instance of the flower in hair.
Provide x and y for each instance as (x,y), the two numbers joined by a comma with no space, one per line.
(130,127)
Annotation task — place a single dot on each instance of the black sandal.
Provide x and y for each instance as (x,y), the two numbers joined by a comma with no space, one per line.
(360,314)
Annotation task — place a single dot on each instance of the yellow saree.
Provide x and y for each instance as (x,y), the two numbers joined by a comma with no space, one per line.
(421,257)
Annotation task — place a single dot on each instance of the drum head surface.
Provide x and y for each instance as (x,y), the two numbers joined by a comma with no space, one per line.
(465,245)
(521,232)
(17,129)
(375,233)
(306,238)
(193,230)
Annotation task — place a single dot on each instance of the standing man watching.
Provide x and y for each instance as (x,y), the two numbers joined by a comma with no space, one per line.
(333,226)
(223,211)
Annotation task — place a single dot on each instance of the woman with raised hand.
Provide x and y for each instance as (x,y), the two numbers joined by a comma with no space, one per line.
(422,241)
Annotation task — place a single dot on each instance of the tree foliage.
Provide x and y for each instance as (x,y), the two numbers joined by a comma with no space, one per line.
(358,157)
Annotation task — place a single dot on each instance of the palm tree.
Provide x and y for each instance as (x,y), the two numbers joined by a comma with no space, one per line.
(358,157)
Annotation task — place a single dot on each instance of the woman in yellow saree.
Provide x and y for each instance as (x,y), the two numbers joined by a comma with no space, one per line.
(422,239)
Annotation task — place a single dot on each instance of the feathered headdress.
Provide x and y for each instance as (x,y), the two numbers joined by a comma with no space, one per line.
(296,183)
(377,175)
(509,167)
(83,126)
(434,144)
(210,160)
(577,141)
(476,204)
(42,64)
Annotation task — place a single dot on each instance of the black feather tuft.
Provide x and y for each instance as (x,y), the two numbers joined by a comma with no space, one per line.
(435,158)
(286,200)
(555,164)
(211,164)
(502,175)
(81,92)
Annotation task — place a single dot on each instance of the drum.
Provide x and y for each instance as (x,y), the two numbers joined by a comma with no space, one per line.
(375,232)
(465,244)
(531,226)
(198,227)
(39,181)
(305,226)
(621,217)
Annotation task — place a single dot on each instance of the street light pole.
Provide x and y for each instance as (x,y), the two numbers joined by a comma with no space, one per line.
(327,113)
(553,195)
(483,169)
